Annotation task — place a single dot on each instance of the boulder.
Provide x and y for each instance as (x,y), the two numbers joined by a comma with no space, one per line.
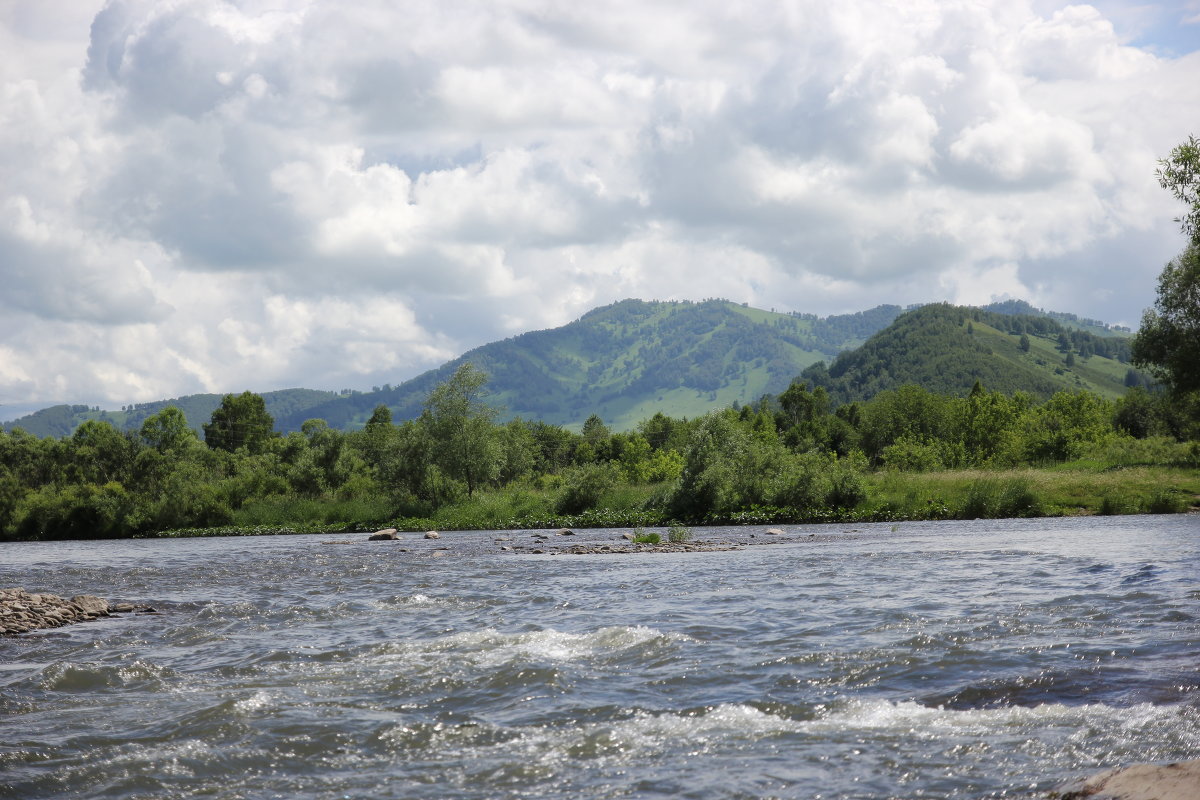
(1178,781)
(93,606)
(432,535)
(775,531)
(387,534)
(566,532)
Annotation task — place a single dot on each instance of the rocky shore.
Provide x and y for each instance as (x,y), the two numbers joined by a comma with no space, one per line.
(21,612)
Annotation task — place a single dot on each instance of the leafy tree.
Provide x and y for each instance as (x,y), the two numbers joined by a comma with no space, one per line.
(101,454)
(167,431)
(1168,343)
(240,421)
(1180,175)
(1024,343)
(460,424)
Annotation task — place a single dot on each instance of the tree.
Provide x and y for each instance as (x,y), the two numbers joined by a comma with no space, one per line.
(240,421)
(460,424)
(1180,175)
(1168,343)
(167,431)
(1024,343)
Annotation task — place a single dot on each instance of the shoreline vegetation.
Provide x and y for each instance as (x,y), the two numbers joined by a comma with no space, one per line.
(907,454)
(1069,490)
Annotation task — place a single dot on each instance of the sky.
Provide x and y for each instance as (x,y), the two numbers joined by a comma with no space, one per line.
(217,195)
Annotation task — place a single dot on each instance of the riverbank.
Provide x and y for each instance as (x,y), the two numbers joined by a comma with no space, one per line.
(1079,489)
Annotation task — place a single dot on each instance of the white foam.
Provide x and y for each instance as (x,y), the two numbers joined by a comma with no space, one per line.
(255,702)
(490,647)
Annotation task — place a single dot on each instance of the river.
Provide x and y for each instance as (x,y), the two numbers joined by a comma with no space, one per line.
(980,659)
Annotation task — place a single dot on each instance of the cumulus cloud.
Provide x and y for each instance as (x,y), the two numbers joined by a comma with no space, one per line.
(203,195)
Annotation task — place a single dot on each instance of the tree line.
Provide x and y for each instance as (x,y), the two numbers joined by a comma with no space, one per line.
(794,452)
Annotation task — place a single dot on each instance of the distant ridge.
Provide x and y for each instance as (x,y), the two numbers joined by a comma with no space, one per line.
(628,360)
(947,348)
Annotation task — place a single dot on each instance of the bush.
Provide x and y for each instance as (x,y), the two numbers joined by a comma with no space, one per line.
(1165,501)
(584,486)
(989,498)
(678,534)
(641,536)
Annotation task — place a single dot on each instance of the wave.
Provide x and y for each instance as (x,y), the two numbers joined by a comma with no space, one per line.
(490,648)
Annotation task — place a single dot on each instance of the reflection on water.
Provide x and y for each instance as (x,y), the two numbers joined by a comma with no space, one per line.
(966,660)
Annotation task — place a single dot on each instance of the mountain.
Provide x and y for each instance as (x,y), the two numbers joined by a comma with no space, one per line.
(631,359)
(1023,309)
(947,348)
(628,360)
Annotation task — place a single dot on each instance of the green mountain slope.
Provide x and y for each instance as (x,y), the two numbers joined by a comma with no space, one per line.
(947,348)
(631,359)
(634,358)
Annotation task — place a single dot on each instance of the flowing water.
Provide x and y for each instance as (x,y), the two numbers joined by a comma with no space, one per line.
(936,660)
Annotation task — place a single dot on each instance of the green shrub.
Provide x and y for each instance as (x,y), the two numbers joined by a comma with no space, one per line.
(678,534)
(1165,501)
(642,536)
(989,498)
(584,486)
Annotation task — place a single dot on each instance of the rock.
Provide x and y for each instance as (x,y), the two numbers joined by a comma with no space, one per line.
(121,608)
(21,612)
(627,536)
(1178,781)
(91,605)
(383,536)
(505,547)
(565,532)
(387,534)
(775,531)
(432,535)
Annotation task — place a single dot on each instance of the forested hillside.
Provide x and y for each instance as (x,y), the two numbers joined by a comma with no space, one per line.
(946,349)
(630,360)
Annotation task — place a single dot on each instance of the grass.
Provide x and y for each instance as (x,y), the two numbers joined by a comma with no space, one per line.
(1064,490)
(1087,486)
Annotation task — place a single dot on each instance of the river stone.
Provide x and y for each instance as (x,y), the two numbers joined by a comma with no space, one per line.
(1178,781)
(21,612)
(432,535)
(388,534)
(627,536)
(775,531)
(566,532)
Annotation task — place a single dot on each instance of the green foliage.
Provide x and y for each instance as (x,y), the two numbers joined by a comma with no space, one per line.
(1180,175)
(678,534)
(240,421)
(584,486)
(641,536)
(459,423)
(1168,343)
(993,497)
(929,347)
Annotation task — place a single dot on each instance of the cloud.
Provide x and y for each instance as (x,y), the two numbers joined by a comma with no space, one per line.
(207,196)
